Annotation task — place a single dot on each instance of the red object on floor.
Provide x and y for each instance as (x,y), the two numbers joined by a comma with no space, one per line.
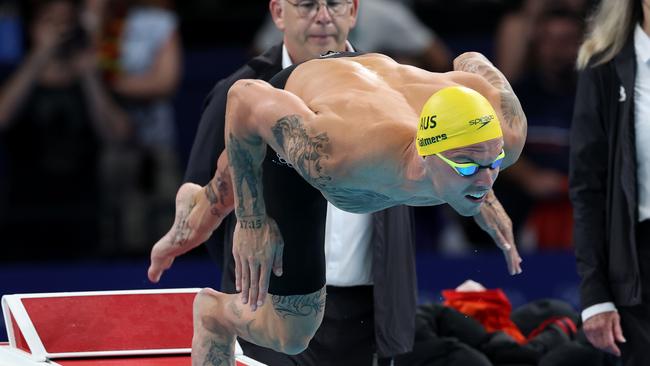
(112,322)
(490,307)
(110,328)
(134,361)
(181,360)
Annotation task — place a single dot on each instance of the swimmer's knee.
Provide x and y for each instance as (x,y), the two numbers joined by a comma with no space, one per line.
(204,300)
(301,316)
(293,344)
(294,339)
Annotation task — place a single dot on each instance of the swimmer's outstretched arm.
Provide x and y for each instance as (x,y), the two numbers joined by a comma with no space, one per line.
(493,219)
(199,211)
(506,103)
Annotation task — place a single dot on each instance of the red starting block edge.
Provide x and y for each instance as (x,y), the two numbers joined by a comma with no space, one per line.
(75,325)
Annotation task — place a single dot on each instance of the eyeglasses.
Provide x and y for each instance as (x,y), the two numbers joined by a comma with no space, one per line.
(469,169)
(309,8)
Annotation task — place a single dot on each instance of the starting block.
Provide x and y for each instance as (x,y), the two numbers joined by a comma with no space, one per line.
(104,328)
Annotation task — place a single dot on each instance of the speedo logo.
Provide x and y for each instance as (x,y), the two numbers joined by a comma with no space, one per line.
(426,141)
(481,121)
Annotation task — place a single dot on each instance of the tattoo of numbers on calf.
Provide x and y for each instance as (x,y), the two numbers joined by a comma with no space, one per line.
(299,305)
(304,152)
(218,354)
(242,159)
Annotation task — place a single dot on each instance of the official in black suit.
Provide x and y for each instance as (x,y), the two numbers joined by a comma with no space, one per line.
(610,179)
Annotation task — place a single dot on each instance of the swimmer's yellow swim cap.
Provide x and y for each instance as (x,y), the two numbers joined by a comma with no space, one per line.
(453,117)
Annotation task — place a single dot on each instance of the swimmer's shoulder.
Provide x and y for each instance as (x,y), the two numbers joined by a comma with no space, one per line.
(345,60)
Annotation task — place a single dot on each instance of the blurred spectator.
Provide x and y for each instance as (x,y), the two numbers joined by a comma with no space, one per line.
(534,191)
(142,55)
(517,32)
(54,116)
(537,185)
(385,26)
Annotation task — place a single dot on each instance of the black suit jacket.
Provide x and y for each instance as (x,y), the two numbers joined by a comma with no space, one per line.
(603,183)
(393,236)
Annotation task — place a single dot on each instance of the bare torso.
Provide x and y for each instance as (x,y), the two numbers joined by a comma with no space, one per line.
(366,114)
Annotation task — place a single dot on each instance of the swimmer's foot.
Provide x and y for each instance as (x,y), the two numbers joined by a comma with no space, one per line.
(213,342)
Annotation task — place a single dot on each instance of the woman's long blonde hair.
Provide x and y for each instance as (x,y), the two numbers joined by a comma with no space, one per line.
(608,29)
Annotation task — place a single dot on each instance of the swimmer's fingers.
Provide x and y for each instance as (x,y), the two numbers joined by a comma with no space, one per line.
(238,267)
(265,275)
(512,257)
(277,259)
(254,267)
(245,279)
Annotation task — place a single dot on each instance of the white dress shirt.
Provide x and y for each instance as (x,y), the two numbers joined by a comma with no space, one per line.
(348,254)
(642,120)
(642,139)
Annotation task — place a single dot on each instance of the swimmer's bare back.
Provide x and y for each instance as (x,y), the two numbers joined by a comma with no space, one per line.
(365,110)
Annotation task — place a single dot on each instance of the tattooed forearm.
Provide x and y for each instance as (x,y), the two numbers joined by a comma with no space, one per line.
(250,223)
(246,169)
(304,152)
(513,114)
(299,305)
(476,63)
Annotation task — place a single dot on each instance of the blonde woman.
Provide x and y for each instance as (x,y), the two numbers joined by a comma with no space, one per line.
(609,175)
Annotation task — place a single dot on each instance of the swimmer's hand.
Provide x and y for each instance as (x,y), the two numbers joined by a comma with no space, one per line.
(257,248)
(494,220)
(196,218)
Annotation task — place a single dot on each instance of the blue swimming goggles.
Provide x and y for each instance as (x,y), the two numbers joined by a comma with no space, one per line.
(469,169)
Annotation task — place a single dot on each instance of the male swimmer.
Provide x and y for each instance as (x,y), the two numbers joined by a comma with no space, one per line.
(368,133)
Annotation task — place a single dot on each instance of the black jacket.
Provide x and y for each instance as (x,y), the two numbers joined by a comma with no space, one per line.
(393,237)
(603,182)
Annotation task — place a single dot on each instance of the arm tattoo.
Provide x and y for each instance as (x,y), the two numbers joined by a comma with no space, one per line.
(244,170)
(304,152)
(299,305)
(512,112)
